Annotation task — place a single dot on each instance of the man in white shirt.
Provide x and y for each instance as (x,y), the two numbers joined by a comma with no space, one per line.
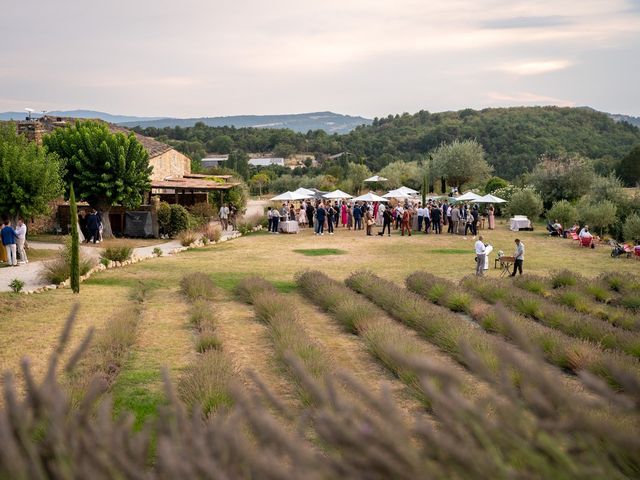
(224,217)
(519,256)
(420,212)
(584,233)
(480,252)
(21,232)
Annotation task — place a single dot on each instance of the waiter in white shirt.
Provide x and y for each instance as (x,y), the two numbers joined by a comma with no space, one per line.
(480,252)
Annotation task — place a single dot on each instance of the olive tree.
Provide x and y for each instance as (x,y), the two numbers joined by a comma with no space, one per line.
(562,178)
(631,228)
(598,214)
(460,162)
(525,202)
(564,212)
(106,168)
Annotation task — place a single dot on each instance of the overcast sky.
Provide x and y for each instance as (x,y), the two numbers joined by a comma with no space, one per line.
(361,57)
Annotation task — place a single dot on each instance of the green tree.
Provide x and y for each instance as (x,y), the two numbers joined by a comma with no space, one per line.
(629,168)
(220,144)
(259,181)
(357,173)
(562,178)
(238,161)
(106,168)
(74,266)
(30,178)
(284,150)
(460,162)
(402,173)
(597,214)
(608,188)
(564,212)
(631,229)
(494,183)
(525,202)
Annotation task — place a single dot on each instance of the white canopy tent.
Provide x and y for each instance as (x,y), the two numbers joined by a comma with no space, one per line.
(336,194)
(289,196)
(468,197)
(488,198)
(304,191)
(370,197)
(407,190)
(376,178)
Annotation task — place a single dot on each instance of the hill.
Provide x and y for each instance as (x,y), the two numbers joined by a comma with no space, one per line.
(301,122)
(107,117)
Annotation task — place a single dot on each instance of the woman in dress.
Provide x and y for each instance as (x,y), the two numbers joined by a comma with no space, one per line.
(375,211)
(302,215)
(344,216)
(349,216)
(492,219)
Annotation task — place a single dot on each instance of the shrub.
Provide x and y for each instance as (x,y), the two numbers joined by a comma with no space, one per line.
(59,269)
(117,254)
(598,292)
(16,285)
(631,301)
(494,183)
(207,382)
(187,237)
(631,229)
(531,284)
(246,225)
(211,232)
(179,220)
(198,285)
(203,212)
(208,340)
(525,202)
(157,251)
(598,214)
(563,278)
(564,212)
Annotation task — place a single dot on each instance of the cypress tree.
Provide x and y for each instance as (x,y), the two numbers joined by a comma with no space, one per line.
(75,243)
(424,190)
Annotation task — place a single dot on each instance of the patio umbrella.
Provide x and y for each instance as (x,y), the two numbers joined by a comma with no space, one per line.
(488,198)
(408,191)
(304,191)
(289,196)
(376,178)
(468,197)
(370,197)
(396,194)
(337,194)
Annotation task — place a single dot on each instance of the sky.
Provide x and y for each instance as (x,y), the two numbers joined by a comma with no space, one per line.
(193,58)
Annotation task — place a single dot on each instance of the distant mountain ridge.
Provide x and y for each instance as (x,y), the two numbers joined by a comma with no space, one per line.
(298,122)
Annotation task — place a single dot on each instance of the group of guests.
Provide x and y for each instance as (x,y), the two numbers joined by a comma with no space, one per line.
(228,214)
(481,252)
(556,229)
(324,215)
(90,225)
(13,242)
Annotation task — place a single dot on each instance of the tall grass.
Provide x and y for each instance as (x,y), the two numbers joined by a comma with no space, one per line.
(537,433)
(557,316)
(207,381)
(198,285)
(557,348)
(286,330)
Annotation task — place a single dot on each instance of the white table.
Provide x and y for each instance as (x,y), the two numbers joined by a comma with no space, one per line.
(519,222)
(290,226)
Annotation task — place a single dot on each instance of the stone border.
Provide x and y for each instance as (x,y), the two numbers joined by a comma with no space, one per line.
(133,260)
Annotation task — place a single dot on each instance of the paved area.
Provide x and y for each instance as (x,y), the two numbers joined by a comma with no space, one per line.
(31,272)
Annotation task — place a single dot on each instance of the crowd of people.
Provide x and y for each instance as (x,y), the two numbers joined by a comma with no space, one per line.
(13,242)
(586,238)
(406,216)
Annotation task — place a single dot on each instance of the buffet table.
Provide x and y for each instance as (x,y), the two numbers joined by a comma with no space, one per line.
(290,226)
(519,222)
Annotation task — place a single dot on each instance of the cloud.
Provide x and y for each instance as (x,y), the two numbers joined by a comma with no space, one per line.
(534,67)
(527,98)
(527,22)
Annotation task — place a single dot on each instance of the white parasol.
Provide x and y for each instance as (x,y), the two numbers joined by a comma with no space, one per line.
(337,194)
(376,178)
(304,191)
(370,197)
(468,197)
(488,198)
(408,191)
(396,194)
(289,196)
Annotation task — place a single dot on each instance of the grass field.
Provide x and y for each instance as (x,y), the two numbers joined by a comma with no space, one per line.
(329,327)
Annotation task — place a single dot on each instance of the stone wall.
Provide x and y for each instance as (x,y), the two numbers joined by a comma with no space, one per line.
(170,164)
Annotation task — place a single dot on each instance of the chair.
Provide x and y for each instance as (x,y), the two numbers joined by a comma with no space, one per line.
(586,241)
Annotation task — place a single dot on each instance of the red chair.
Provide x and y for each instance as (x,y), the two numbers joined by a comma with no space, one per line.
(586,241)
(636,252)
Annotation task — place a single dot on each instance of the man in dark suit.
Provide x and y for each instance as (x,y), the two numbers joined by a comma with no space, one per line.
(357,217)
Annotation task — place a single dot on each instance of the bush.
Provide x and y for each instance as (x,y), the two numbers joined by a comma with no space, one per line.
(494,183)
(117,254)
(164,217)
(203,212)
(59,269)
(631,229)
(16,285)
(157,251)
(208,340)
(198,285)
(187,237)
(564,212)
(598,215)
(207,382)
(211,232)
(525,202)
(563,278)
(246,224)
(179,220)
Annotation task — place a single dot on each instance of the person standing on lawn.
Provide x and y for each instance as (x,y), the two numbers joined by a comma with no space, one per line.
(21,233)
(480,253)
(331,215)
(357,217)
(368,219)
(9,238)
(93,226)
(321,213)
(386,221)
(224,216)
(344,215)
(310,217)
(436,219)
(519,257)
